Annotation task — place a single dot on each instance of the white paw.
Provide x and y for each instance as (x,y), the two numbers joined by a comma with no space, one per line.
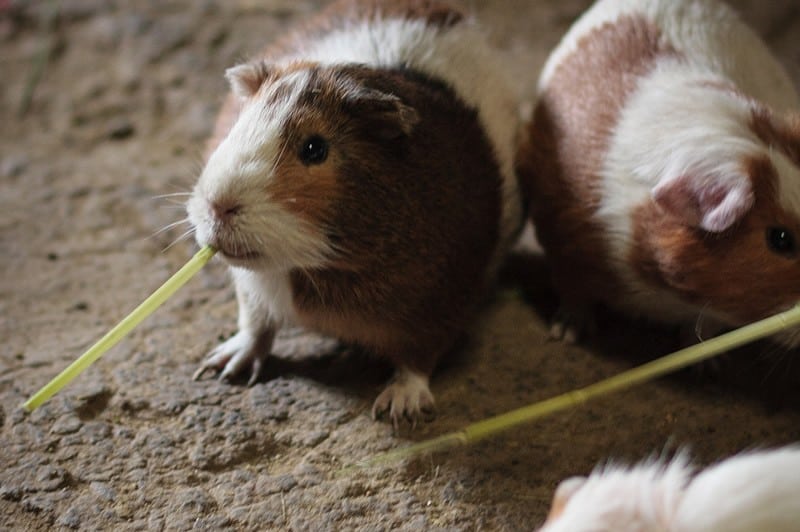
(406,397)
(234,356)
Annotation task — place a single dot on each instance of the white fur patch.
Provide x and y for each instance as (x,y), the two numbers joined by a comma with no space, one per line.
(265,299)
(460,56)
(746,493)
(641,499)
(672,125)
(755,491)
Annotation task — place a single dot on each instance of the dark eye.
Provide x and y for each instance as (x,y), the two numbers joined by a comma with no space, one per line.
(314,150)
(780,240)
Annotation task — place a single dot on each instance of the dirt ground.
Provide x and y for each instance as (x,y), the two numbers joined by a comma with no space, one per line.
(116,122)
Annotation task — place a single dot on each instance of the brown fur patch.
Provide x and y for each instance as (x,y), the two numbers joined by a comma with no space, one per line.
(568,139)
(733,272)
(781,133)
(415,219)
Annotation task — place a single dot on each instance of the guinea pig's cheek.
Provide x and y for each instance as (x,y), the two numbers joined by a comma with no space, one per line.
(306,192)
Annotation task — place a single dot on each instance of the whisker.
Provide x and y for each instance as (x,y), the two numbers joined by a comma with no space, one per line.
(698,325)
(169,226)
(173,195)
(770,357)
(184,236)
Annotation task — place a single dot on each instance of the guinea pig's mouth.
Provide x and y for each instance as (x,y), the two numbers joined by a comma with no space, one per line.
(239,256)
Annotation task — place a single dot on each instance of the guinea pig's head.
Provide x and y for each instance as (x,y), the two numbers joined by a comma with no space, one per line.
(272,192)
(726,230)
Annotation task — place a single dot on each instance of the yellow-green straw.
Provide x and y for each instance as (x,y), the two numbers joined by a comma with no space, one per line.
(627,379)
(116,334)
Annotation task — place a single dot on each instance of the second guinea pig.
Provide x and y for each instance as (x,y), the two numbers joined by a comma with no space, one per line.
(663,168)
(361,184)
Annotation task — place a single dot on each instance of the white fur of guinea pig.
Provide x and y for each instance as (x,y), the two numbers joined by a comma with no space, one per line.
(753,492)
(662,165)
(360,183)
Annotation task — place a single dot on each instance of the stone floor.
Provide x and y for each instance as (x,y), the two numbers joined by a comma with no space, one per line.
(116,122)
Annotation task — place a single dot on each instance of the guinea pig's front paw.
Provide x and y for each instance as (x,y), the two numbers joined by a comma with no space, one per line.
(234,355)
(406,397)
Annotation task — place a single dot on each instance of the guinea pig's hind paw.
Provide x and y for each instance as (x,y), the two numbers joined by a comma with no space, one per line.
(231,358)
(406,397)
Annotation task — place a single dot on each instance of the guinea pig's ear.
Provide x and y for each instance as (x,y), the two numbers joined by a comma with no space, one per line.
(247,78)
(384,115)
(564,492)
(711,203)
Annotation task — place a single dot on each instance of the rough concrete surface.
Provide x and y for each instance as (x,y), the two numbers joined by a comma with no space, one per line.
(115,125)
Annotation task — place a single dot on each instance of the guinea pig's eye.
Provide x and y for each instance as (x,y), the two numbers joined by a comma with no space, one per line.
(780,240)
(314,150)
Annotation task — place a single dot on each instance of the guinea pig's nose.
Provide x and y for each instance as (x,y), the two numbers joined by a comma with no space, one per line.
(223,210)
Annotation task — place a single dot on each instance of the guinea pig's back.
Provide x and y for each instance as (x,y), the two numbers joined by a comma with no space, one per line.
(708,33)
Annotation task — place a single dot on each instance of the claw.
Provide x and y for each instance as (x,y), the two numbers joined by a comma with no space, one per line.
(406,397)
(234,355)
(200,372)
(255,372)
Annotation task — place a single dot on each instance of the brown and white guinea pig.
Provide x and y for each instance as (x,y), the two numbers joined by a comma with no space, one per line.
(752,492)
(662,165)
(361,184)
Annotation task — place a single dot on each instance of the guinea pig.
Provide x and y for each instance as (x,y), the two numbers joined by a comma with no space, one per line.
(662,163)
(361,184)
(747,493)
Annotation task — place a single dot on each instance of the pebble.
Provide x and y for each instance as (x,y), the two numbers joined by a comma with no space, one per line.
(103,490)
(68,424)
(51,478)
(70,519)
(10,493)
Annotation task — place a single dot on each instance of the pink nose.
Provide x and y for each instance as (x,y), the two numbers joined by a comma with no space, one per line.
(225,210)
